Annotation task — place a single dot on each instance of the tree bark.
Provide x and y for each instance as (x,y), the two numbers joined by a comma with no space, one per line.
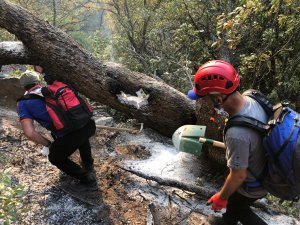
(54,50)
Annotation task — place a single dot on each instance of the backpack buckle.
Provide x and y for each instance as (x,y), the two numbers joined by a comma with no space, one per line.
(296,118)
(296,124)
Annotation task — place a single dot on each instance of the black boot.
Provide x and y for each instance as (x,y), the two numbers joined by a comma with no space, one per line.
(91,172)
(214,220)
(88,168)
(87,183)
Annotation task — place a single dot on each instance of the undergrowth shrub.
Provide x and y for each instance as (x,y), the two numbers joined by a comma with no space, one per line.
(11,199)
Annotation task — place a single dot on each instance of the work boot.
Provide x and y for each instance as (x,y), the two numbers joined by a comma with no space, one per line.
(62,175)
(88,168)
(86,184)
(84,187)
(90,177)
(215,220)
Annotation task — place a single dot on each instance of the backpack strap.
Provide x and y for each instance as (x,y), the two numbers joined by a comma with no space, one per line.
(252,184)
(30,96)
(247,121)
(50,94)
(289,137)
(261,99)
(59,93)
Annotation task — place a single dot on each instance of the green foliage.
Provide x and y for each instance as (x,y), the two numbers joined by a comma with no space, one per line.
(3,158)
(168,39)
(99,45)
(66,15)
(81,19)
(118,116)
(6,36)
(264,37)
(11,199)
(284,206)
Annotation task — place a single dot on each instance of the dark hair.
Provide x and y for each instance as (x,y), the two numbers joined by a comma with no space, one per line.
(49,79)
(237,89)
(29,86)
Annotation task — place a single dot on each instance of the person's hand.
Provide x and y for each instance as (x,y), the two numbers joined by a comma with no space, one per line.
(45,151)
(217,203)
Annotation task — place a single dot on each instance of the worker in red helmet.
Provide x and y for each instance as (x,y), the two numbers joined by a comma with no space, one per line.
(218,82)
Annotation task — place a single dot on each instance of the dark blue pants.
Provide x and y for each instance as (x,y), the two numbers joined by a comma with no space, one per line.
(65,146)
(238,209)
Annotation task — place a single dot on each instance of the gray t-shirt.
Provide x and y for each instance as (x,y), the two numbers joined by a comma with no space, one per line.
(244,148)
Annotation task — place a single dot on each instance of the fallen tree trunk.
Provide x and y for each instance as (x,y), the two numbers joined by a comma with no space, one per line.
(45,45)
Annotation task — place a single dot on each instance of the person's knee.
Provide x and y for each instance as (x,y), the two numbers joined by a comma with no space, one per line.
(54,160)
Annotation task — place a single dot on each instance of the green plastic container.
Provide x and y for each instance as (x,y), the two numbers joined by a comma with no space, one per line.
(186,139)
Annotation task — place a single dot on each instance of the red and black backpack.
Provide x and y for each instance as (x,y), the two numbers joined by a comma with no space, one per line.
(68,110)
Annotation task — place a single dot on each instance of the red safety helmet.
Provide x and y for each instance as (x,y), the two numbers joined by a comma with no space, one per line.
(215,76)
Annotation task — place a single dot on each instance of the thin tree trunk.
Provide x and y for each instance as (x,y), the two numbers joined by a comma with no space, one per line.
(54,12)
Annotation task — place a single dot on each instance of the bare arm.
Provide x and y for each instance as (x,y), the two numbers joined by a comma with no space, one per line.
(32,134)
(233,181)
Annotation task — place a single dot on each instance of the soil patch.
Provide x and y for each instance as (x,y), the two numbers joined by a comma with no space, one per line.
(133,151)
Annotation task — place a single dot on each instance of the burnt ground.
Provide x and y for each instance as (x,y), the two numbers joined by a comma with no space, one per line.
(123,198)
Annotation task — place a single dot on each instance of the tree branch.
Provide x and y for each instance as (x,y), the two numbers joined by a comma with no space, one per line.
(202,191)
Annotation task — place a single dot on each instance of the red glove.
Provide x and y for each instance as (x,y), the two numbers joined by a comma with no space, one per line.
(217,203)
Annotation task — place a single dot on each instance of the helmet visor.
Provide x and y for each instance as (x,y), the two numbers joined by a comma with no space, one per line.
(192,95)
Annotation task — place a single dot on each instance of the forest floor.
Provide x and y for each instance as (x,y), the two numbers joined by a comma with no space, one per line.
(127,165)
